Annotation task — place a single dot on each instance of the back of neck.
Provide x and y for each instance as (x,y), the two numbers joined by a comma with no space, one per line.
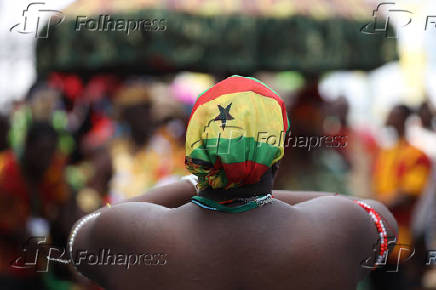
(263,187)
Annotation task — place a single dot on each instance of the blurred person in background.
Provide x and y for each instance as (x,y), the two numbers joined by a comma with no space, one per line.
(87,109)
(143,155)
(357,155)
(171,118)
(32,193)
(90,170)
(309,157)
(401,174)
(306,117)
(423,136)
(336,124)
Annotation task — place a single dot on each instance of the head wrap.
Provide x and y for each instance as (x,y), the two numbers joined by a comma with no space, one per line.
(235,133)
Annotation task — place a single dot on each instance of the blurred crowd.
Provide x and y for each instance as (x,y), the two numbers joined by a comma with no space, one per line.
(75,144)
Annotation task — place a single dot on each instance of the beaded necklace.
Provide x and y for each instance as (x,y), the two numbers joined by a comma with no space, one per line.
(206,203)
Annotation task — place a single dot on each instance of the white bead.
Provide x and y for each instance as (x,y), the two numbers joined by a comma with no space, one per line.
(76,230)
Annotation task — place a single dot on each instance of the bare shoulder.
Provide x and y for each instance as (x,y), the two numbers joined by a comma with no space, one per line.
(337,213)
(119,225)
(344,228)
(130,216)
(122,228)
(344,212)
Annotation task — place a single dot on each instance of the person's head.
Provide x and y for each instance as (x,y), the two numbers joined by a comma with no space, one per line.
(235,135)
(134,105)
(40,146)
(425,112)
(397,118)
(138,118)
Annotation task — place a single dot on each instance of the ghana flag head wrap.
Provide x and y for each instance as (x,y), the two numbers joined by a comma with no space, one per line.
(235,133)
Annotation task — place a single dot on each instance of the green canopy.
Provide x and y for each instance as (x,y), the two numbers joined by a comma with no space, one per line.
(223,43)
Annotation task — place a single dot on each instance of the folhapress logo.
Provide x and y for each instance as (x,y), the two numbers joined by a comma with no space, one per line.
(34,16)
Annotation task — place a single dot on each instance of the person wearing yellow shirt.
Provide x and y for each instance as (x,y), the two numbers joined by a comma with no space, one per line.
(401,174)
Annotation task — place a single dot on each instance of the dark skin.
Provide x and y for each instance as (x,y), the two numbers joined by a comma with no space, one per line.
(302,240)
(37,158)
(138,118)
(426,115)
(397,120)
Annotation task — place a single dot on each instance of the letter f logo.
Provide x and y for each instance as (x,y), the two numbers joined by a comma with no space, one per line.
(34,17)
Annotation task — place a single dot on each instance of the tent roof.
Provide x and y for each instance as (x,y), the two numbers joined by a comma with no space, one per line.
(318,9)
(222,43)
